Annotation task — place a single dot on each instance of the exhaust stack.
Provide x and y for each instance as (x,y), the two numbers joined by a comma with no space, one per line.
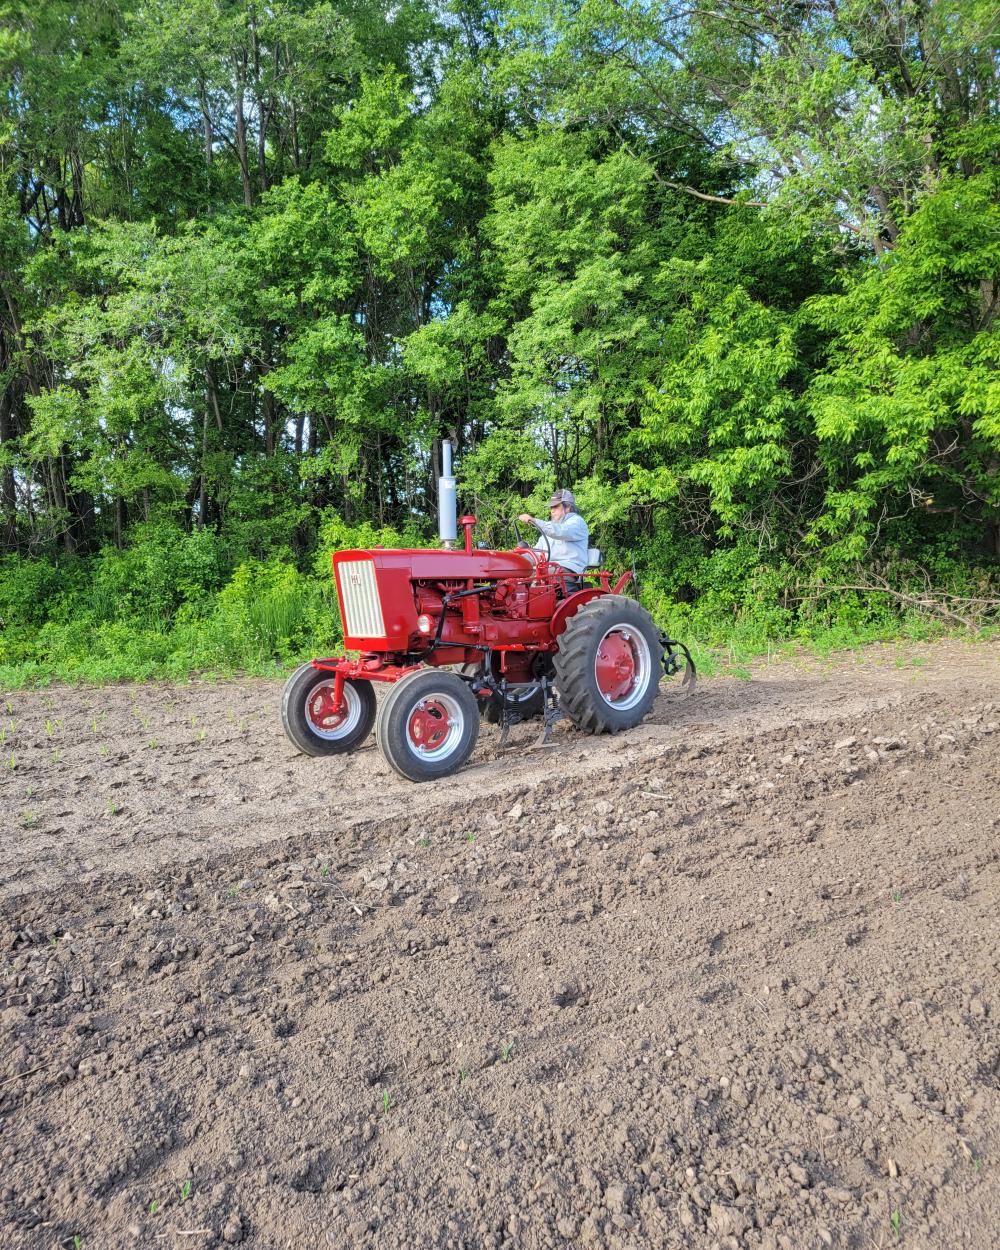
(447,501)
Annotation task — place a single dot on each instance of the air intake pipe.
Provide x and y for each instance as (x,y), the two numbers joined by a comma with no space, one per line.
(447,500)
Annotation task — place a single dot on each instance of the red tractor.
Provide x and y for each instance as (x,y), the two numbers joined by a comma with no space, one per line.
(458,634)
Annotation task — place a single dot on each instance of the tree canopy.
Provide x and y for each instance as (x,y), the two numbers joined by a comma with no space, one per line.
(731,272)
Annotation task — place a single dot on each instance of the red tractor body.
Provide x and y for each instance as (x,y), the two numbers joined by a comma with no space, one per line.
(405,607)
(524,637)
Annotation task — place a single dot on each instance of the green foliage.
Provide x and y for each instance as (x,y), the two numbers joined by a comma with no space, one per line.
(266,612)
(335,534)
(731,274)
(168,606)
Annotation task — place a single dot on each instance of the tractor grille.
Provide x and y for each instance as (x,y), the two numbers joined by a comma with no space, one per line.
(359,593)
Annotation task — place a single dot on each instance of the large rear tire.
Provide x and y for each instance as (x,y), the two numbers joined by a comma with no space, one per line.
(428,725)
(608,665)
(309,719)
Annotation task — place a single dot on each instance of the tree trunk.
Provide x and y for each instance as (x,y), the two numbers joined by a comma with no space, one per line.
(203,481)
(121,522)
(57,481)
(8,432)
(263,115)
(213,398)
(272,433)
(8,491)
(241,132)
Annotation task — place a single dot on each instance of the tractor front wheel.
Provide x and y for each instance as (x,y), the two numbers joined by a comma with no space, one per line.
(428,725)
(309,716)
(608,665)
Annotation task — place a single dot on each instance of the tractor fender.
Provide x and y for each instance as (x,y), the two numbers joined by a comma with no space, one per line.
(570,606)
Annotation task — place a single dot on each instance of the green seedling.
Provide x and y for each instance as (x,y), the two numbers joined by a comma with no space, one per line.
(28,819)
(897,896)
(470,838)
(243,726)
(77,1242)
(56,756)
(201,735)
(103,748)
(8,707)
(145,722)
(29,792)
(154,1206)
(386,1102)
(462,1074)
(12,760)
(977,1164)
(153,744)
(232,892)
(325,870)
(93,725)
(112,808)
(505,1050)
(425,842)
(229,715)
(896,1221)
(48,729)
(194,721)
(185,1191)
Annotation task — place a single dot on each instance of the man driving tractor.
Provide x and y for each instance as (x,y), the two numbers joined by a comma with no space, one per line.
(468,634)
(564,536)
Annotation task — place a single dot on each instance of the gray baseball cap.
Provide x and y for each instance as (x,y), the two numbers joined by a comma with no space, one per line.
(563,497)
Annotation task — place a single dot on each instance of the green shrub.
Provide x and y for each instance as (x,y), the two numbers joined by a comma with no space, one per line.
(335,534)
(162,568)
(268,612)
(170,605)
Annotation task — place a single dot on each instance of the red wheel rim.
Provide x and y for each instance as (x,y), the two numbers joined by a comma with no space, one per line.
(429,725)
(615,667)
(323,715)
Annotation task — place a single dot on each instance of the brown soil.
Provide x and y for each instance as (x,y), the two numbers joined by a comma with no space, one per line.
(730,980)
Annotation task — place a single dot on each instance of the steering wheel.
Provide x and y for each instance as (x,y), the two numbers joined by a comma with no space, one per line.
(523,542)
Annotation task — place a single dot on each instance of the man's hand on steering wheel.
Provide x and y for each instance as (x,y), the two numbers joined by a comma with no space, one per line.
(525,518)
(520,542)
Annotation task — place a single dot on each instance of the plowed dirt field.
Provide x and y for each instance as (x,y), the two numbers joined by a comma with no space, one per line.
(731,980)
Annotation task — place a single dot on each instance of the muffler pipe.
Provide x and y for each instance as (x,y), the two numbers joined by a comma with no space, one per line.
(447,499)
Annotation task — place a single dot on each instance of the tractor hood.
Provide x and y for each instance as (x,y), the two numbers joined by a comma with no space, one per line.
(375,590)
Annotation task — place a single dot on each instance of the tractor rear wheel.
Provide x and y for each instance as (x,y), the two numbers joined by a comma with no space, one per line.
(309,719)
(608,665)
(428,725)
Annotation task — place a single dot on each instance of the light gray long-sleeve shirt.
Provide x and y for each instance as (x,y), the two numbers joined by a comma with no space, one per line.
(569,540)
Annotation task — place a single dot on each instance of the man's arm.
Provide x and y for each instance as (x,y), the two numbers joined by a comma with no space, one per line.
(572,526)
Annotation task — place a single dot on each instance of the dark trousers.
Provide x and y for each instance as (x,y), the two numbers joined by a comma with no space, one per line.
(572,582)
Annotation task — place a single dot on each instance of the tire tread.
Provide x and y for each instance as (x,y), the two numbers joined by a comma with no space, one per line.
(573,664)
